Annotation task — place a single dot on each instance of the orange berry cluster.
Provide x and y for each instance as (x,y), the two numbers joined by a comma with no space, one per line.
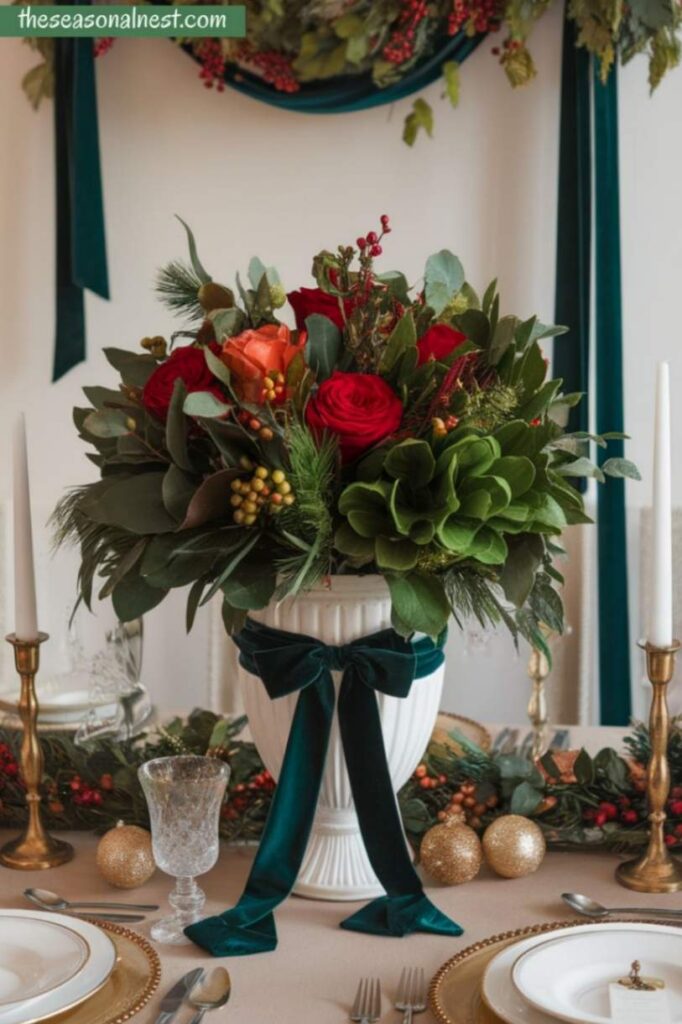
(468,803)
(441,427)
(273,387)
(253,423)
(265,490)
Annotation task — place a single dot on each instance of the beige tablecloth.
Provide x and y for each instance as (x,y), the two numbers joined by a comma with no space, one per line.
(311,977)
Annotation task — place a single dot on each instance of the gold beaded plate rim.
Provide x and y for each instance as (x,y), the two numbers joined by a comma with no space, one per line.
(153,980)
(503,938)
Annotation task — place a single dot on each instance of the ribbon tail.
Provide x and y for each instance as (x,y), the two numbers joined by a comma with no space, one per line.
(405,908)
(249,927)
(81,251)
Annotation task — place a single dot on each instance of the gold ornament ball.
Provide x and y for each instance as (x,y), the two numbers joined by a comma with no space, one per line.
(514,846)
(451,853)
(124,856)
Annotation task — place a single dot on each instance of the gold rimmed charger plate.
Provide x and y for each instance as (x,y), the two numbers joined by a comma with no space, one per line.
(455,995)
(129,987)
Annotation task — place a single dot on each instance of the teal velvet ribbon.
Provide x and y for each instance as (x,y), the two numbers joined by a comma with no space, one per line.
(81,250)
(286,663)
(614,631)
(585,99)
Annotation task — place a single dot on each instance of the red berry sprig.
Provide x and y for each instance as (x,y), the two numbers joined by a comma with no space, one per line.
(400,46)
(212,71)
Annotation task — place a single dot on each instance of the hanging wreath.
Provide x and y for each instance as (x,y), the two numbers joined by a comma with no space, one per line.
(326,55)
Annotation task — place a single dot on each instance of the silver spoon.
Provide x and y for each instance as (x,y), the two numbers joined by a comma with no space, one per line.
(57,902)
(78,909)
(210,993)
(590,908)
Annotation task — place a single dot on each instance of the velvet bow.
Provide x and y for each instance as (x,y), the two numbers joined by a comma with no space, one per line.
(287,662)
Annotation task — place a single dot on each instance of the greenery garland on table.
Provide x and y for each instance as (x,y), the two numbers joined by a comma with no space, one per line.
(578,800)
(292,45)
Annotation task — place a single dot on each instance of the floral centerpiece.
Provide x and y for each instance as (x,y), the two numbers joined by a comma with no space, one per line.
(406,431)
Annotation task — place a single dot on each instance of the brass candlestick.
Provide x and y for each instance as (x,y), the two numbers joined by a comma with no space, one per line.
(538,670)
(35,849)
(657,870)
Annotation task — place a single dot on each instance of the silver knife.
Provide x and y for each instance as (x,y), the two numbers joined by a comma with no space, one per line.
(175,997)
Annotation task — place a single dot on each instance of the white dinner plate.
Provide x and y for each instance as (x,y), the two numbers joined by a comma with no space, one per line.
(569,976)
(500,992)
(37,957)
(89,976)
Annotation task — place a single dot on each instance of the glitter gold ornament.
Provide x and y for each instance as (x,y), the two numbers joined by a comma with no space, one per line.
(514,846)
(451,853)
(124,856)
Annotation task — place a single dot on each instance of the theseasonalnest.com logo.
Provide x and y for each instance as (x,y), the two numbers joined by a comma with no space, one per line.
(123,20)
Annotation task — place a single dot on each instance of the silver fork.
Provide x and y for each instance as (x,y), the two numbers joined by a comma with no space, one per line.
(411,996)
(367,1006)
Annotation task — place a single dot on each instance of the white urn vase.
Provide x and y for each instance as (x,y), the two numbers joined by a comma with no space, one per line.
(336,866)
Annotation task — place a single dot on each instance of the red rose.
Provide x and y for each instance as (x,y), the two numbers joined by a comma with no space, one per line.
(313,300)
(187,363)
(438,342)
(359,408)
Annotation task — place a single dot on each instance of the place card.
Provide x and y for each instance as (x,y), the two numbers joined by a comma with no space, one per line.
(635,1005)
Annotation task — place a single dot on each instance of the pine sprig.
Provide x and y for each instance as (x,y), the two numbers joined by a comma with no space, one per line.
(177,284)
(312,475)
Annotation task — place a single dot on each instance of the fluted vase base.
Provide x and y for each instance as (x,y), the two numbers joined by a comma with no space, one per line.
(336,866)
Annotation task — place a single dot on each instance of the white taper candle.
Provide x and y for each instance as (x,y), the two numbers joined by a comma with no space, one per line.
(26,618)
(661,623)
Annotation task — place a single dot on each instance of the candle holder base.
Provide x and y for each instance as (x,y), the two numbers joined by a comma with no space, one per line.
(32,853)
(658,873)
(34,849)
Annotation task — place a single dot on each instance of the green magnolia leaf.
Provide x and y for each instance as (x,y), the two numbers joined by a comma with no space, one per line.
(211,500)
(252,587)
(540,401)
(204,403)
(135,370)
(193,601)
(369,522)
(420,119)
(134,597)
(101,398)
(451,75)
(177,490)
(108,423)
(456,534)
(583,769)
(348,542)
(323,345)
(134,503)
(518,471)
(396,555)
(202,274)
(123,567)
(488,547)
(443,278)
(402,337)
(476,325)
(621,468)
(411,461)
(176,427)
(518,574)
(419,602)
(502,338)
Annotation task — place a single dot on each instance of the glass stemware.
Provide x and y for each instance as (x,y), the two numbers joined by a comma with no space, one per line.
(184,795)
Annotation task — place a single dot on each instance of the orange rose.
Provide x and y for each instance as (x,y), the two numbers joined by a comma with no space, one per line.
(256,355)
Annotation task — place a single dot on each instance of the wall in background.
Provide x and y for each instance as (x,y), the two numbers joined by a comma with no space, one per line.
(254,180)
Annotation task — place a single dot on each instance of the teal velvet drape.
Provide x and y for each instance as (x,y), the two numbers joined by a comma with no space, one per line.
(80,240)
(589,147)
(288,663)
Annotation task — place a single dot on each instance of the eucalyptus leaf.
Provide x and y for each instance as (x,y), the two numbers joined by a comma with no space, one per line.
(323,345)
(420,600)
(107,423)
(443,278)
(204,403)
